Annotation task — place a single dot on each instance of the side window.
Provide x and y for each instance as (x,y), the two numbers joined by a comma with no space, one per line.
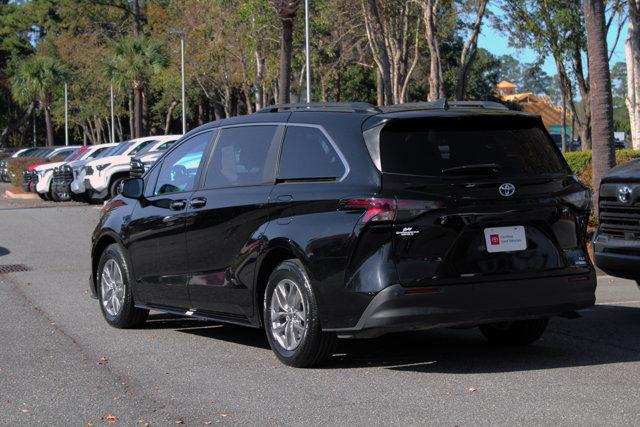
(243,156)
(308,154)
(180,167)
(165,145)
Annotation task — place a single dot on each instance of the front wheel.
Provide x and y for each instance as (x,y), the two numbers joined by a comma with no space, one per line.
(519,332)
(116,187)
(292,320)
(114,290)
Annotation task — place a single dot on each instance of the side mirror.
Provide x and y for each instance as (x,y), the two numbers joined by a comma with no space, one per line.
(133,188)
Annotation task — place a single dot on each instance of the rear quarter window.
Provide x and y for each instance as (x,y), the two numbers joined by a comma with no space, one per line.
(308,154)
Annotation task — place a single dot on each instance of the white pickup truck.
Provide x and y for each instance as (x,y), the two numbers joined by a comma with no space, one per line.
(100,179)
(45,171)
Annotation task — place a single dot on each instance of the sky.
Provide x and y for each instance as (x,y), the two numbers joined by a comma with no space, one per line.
(498,44)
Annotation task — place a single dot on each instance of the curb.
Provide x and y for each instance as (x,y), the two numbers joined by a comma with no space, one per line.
(28,196)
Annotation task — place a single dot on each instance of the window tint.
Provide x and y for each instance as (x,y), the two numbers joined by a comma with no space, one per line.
(164,146)
(307,154)
(98,152)
(241,157)
(121,148)
(180,167)
(468,146)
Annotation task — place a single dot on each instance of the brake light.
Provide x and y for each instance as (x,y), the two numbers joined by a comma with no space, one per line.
(376,210)
(386,209)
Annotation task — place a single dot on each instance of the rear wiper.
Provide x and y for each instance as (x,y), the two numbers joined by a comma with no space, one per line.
(482,167)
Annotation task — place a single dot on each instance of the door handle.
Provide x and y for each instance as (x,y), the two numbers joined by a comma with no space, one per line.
(198,202)
(284,198)
(177,205)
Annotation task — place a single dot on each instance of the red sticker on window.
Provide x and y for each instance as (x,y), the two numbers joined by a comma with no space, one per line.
(495,239)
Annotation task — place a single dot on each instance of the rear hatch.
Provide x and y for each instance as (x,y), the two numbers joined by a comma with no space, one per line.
(479,198)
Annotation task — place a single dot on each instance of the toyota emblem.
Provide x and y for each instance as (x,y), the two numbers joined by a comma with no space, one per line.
(507,189)
(624,194)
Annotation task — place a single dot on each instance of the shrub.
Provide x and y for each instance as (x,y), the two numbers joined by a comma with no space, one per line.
(578,160)
(18,165)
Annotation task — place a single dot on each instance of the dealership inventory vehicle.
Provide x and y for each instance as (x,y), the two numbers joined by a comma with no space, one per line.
(318,221)
(101,178)
(616,243)
(146,158)
(51,184)
(30,174)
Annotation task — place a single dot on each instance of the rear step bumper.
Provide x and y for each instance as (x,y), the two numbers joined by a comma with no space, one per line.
(397,308)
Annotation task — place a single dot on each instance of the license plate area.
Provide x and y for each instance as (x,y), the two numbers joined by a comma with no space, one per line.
(505,239)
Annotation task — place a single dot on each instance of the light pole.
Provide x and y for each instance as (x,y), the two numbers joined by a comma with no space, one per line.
(113,122)
(66,116)
(184,101)
(306,44)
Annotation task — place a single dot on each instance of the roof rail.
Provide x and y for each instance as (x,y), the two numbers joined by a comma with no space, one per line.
(443,104)
(352,107)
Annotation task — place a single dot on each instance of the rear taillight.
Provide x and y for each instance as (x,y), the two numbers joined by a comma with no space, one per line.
(375,209)
(385,209)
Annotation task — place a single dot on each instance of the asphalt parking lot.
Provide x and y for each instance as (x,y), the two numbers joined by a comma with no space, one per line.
(61,364)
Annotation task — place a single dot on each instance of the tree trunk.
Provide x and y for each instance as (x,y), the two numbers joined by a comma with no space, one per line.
(600,93)
(259,87)
(137,18)
(167,122)
(132,116)
(137,110)
(119,128)
(145,115)
(379,88)
(469,51)
(632,51)
(48,122)
(286,49)
(375,34)
(436,79)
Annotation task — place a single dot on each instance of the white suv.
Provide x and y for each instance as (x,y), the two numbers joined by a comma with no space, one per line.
(101,178)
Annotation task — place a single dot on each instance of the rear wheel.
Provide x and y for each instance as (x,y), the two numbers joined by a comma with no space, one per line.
(292,320)
(114,290)
(519,332)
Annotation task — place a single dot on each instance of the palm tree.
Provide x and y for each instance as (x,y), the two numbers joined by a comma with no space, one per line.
(286,11)
(36,79)
(133,61)
(600,94)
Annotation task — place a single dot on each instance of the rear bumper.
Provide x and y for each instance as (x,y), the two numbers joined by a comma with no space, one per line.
(397,308)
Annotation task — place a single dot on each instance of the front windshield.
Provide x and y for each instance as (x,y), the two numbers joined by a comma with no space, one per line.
(146,149)
(124,146)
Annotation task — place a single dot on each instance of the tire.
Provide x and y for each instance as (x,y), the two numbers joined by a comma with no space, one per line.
(124,314)
(43,196)
(114,188)
(53,195)
(314,346)
(520,332)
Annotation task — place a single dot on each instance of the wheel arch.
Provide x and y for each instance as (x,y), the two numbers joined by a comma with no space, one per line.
(98,248)
(270,259)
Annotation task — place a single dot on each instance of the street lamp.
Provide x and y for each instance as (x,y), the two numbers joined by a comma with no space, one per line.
(180,34)
(306,43)
(66,116)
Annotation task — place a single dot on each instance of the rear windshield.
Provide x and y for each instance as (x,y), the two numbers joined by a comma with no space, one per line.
(468,145)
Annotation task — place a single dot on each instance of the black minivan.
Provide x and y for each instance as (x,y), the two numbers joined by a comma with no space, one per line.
(319,221)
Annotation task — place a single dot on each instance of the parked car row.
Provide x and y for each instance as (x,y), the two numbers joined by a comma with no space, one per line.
(87,173)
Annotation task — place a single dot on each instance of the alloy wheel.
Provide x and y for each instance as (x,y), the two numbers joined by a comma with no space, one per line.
(288,315)
(112,287)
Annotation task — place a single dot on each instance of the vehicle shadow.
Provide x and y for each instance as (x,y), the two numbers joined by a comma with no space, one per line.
(605,334)
(4,251)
